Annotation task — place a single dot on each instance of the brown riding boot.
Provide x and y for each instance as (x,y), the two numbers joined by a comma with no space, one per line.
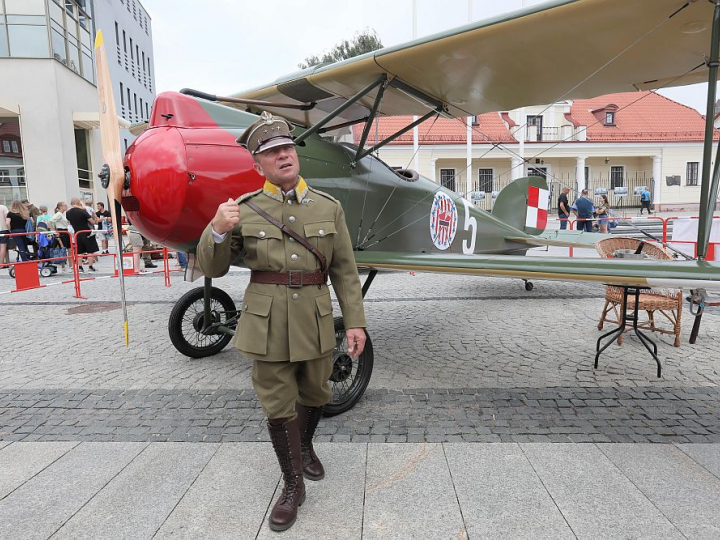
(308,418)
(285,439)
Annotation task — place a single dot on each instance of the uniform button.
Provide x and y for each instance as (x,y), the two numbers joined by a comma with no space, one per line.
(296,296)
(321,232)
(291,219)
(261,234)
(291,239)
(294,257)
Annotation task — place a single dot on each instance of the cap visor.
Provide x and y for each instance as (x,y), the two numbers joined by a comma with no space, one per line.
(279,141)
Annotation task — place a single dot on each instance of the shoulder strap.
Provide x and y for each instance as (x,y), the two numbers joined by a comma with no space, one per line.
(285,230)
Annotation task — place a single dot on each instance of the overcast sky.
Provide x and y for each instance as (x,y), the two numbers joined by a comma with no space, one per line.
(226,46)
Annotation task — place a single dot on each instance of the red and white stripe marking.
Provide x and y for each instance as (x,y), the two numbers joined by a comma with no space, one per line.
(537,208)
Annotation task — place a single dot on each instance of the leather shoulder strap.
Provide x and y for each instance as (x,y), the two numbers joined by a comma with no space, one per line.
(285,230)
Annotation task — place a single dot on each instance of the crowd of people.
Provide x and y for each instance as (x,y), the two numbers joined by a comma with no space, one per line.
(91,224)
(592,215)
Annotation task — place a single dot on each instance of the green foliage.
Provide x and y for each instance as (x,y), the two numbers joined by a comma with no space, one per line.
(361,43)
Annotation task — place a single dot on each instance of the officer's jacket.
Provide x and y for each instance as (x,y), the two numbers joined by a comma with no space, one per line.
(279,323)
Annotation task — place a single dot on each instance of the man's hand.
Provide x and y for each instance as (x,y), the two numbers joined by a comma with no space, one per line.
(355,341)
(226,217)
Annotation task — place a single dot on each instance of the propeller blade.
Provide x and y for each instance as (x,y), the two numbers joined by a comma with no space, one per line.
(110,136)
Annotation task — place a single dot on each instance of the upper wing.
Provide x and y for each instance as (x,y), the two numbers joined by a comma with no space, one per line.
(645,273)
(556,50)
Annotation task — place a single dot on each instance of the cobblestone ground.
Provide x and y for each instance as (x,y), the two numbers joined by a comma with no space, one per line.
(457,358)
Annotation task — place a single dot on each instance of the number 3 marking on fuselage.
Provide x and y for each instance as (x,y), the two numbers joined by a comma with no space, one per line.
(470,225)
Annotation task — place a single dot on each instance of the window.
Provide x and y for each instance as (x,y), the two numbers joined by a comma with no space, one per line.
(131,51)
(14,146)
(143,60)
(124,42)
(147,111)
(609,118)
(141,107)
(117,35)
(6,146)
(136,107)
(447,178)
(617,176)
(537,171)
(28,41)
(485,180)
(129,103)
(692,173)
(122,95)
(536,121)
(4,180)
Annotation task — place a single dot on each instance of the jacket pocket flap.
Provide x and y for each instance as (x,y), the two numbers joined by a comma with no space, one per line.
(261,230)
(324,304)
(320,228)
(257,304)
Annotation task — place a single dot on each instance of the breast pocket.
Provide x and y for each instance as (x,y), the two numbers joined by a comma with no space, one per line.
(254,323)
(258,239)
(321,234)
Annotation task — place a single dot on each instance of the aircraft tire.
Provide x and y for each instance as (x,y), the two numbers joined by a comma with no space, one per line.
(350,378)
(186,320)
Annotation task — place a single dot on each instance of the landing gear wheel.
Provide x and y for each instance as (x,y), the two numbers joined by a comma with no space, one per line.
(529,286)
(12,271)
(349,377)
(46,271)
(187,320)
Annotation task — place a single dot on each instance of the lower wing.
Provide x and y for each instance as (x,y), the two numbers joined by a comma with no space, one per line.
(644,273)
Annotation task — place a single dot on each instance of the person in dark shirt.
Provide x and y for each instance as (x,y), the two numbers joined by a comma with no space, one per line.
(104,218)
(564,208)
(585,209)
(82,221)
(17,219)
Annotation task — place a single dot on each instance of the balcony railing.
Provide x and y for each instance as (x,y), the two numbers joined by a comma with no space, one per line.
(554,134)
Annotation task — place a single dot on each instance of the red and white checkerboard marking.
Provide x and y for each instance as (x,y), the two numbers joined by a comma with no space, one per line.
(537,208)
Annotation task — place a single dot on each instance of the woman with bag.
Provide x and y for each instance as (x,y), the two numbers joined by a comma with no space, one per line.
(603,211)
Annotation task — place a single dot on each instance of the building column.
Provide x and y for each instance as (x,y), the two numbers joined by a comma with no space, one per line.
(582,182)
(468,158)
(517,169)
(433,169)
(656,172)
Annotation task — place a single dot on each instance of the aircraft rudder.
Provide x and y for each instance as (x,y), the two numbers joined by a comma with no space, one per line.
(524,204)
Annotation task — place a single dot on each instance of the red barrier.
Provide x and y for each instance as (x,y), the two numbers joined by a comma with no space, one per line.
(27,273)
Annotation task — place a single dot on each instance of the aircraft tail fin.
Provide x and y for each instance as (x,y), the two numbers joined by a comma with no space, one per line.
(523,204)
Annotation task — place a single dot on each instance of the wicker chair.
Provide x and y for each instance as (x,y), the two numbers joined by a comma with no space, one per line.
(668,303)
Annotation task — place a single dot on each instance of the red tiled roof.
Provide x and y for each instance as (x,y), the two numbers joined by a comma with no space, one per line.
(639,117)
(489,128)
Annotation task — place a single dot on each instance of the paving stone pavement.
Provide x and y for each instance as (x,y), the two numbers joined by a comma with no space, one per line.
(457,358)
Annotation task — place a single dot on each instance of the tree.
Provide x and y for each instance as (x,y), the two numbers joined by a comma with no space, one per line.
(361,43)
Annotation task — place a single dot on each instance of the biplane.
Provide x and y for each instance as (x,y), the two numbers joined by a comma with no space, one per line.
(187,160)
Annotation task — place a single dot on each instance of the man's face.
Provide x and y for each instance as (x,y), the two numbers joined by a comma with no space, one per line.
(100,207)
(279,165)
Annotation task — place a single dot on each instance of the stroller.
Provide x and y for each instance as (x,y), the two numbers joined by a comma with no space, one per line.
(46,246)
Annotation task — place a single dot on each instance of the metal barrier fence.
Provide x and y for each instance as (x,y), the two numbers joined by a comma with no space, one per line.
(713,254)
(27,274)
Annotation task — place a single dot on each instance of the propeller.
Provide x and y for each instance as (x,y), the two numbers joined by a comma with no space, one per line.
(113,171)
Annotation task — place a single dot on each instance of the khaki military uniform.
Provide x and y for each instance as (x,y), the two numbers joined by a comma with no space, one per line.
(280,324)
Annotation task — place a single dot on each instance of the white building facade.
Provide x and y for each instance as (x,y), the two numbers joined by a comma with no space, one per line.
(613,144)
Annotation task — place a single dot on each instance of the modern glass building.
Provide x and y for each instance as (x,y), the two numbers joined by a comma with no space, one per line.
(50,147)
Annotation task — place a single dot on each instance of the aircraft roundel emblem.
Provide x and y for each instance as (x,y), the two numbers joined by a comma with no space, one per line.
(443,221)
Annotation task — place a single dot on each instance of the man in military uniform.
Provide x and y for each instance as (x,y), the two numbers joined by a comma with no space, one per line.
(293,238)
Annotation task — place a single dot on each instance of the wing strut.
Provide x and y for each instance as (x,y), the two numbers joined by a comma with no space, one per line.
(314,129)
(708,190)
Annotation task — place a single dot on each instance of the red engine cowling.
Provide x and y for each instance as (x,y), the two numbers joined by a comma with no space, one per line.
(181,171)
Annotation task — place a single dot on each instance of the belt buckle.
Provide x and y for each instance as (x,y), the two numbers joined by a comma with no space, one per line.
(295,283)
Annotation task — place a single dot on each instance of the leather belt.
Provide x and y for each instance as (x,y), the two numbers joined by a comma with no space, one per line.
(293,279)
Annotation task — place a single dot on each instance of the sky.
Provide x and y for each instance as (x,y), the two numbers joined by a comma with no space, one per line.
(226,46)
